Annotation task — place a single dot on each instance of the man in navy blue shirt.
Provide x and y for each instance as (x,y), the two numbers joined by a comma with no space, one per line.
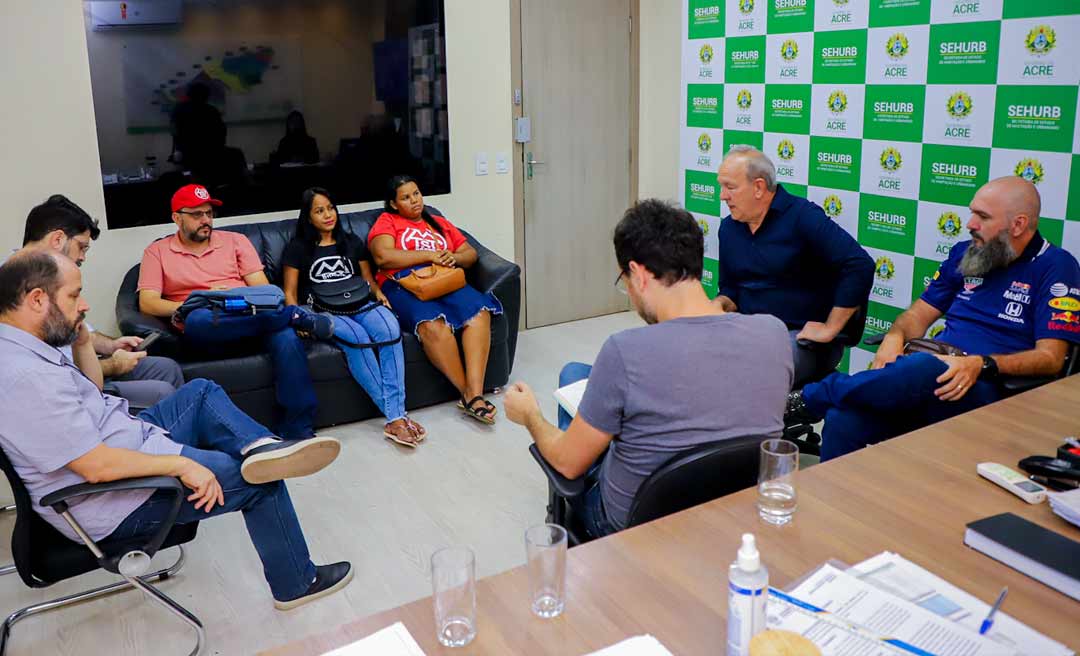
(781,255)
(1011,302)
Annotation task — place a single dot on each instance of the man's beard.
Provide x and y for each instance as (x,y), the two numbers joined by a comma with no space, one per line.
(197,237)
(994,254)
(57,331)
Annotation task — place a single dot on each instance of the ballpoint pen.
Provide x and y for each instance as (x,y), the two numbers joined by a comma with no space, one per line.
(989,621)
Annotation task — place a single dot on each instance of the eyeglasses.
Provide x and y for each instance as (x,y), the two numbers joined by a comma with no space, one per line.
(198,214)
(620,283)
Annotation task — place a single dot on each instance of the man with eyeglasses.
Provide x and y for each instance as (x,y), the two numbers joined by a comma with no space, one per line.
(644,400)
(59,225)
(198,257)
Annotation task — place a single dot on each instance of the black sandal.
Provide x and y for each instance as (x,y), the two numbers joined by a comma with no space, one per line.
(484,415)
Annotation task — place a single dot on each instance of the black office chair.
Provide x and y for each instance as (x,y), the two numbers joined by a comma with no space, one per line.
(43,556)
(689,478)
(1012,385)
(802,433)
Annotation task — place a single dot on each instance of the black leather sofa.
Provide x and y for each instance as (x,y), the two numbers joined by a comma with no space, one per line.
(247,374)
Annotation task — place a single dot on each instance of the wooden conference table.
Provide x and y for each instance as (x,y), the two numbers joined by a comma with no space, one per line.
(912,495)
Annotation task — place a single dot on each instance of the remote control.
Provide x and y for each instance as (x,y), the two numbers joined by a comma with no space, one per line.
(1012,481)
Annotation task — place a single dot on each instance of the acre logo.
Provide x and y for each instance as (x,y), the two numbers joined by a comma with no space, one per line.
(746,6)
(704,225)
(744,99)
(837,101)
(959,105)
(833,206)
(705,55)
(949,225)
(1030,169)
(891,160)
(785,150)
(704,143)
(1041,40)
(789,50)
(884,268)
(897,46)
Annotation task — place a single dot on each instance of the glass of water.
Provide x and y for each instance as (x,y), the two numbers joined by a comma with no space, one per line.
(545,549)
(453,584)
(776,487)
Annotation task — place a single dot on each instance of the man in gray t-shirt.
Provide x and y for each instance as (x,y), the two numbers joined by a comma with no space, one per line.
(694,375)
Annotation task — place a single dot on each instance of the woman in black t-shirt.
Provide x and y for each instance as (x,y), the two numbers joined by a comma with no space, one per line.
(321,251)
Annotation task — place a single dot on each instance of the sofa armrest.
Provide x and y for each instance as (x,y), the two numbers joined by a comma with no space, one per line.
(133,322)
(563,486)
(501,277)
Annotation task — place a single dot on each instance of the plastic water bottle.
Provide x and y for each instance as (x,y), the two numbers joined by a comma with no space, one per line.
(748,593)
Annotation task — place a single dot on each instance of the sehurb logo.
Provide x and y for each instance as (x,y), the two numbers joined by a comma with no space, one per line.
(705,55)
(785,149)
(897,46)
(789,50)
(1029,169)
(744,99)
(1041,40)
(704,143)
(837,101)
(746,6)
(884,269)
(948,224)
(959,105)
(891,159)
(833,206)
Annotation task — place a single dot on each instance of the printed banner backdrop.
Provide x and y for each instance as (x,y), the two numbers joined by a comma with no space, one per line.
(889,114)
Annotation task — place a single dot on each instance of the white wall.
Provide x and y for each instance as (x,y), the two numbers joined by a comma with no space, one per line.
(660,96)
(50,144)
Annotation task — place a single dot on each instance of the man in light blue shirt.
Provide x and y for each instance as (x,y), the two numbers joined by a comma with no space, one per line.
(58,429)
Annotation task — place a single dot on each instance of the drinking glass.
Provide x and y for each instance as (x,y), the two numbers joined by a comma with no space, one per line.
(776,487)
(545,550)
(453,584)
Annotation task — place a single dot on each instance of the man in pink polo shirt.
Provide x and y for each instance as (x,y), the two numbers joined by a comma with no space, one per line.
(198,257)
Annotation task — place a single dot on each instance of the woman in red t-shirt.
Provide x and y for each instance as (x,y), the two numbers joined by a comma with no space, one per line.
(406,236)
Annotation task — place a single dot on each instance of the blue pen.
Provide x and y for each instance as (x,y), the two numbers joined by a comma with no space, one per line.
(989,621)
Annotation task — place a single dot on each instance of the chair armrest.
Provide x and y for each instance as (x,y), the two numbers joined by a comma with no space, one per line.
(1016,384)
(811,345)
(565,487)
(874,340)
(58,502)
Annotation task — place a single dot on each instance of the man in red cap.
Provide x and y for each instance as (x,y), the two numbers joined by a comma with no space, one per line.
(198,257)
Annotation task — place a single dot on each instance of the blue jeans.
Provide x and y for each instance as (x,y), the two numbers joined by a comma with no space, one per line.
(876,405)
(380,371)
(292,381)
(212,430)
(590,507)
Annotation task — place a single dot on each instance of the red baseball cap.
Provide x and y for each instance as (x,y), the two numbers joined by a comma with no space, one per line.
(192,195)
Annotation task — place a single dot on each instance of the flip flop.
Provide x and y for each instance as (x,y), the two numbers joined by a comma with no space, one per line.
(484,415)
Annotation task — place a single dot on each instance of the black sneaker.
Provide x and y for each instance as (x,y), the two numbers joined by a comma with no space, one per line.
(328,580)
(288,459)
(796,411)
(319,324)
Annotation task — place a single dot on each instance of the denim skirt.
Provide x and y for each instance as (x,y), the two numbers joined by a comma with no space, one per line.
(456,308)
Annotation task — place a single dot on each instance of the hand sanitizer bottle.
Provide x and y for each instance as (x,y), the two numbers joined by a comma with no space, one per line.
(748,591)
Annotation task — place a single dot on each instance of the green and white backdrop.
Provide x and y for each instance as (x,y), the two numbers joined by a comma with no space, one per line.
(889,114)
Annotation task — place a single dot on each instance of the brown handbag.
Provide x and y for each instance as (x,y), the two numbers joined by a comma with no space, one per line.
(431,282)
(931,346)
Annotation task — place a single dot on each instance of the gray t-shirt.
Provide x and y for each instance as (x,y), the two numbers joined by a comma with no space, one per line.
(664,388)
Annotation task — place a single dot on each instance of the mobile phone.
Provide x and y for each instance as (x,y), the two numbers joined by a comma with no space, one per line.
(145,344)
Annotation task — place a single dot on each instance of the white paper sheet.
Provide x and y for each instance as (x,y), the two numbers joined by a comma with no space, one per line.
(896,575)
(394,640)
(643,645)
(569,397)
(887,615)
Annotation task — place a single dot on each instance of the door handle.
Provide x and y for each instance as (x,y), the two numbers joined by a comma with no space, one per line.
(530,161)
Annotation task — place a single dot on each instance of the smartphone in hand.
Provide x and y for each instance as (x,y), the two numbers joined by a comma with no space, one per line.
(145,344)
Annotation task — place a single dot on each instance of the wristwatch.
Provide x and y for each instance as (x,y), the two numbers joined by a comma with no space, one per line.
(989,368)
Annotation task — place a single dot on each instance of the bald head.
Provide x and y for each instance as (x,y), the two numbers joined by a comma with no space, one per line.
(747,182)
(1015,197)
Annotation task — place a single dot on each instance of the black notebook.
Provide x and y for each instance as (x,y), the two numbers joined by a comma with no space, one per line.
(1040,553)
